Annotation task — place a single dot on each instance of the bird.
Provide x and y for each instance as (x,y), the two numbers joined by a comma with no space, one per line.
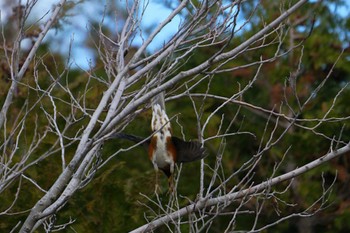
(164,149)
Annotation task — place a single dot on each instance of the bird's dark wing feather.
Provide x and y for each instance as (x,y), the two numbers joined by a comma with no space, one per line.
(188,151)
(132,138)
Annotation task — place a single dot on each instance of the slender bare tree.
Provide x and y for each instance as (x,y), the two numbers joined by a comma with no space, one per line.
(135,75)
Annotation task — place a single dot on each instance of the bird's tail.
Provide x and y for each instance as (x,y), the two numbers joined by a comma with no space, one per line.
(159,99)
(160,120)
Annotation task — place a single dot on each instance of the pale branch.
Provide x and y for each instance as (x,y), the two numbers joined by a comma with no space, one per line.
(184,74)
(234,96)
(3,212)
(261,33)
(17,78)
(157,30)
(317,206)
(208,201)
(66,177)
(267,113)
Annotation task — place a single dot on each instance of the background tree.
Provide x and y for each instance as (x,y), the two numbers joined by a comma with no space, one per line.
(263,86)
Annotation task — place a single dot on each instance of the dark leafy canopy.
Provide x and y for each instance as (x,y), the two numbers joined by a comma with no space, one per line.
(111,203)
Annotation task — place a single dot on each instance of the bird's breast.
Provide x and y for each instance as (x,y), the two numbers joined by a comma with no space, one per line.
(161,151)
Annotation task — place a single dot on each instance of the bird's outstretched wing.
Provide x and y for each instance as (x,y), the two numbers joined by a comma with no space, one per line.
(133,138)
(185,151)
(188,151)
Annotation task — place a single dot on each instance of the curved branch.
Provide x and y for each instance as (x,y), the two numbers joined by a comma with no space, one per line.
(204,203)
